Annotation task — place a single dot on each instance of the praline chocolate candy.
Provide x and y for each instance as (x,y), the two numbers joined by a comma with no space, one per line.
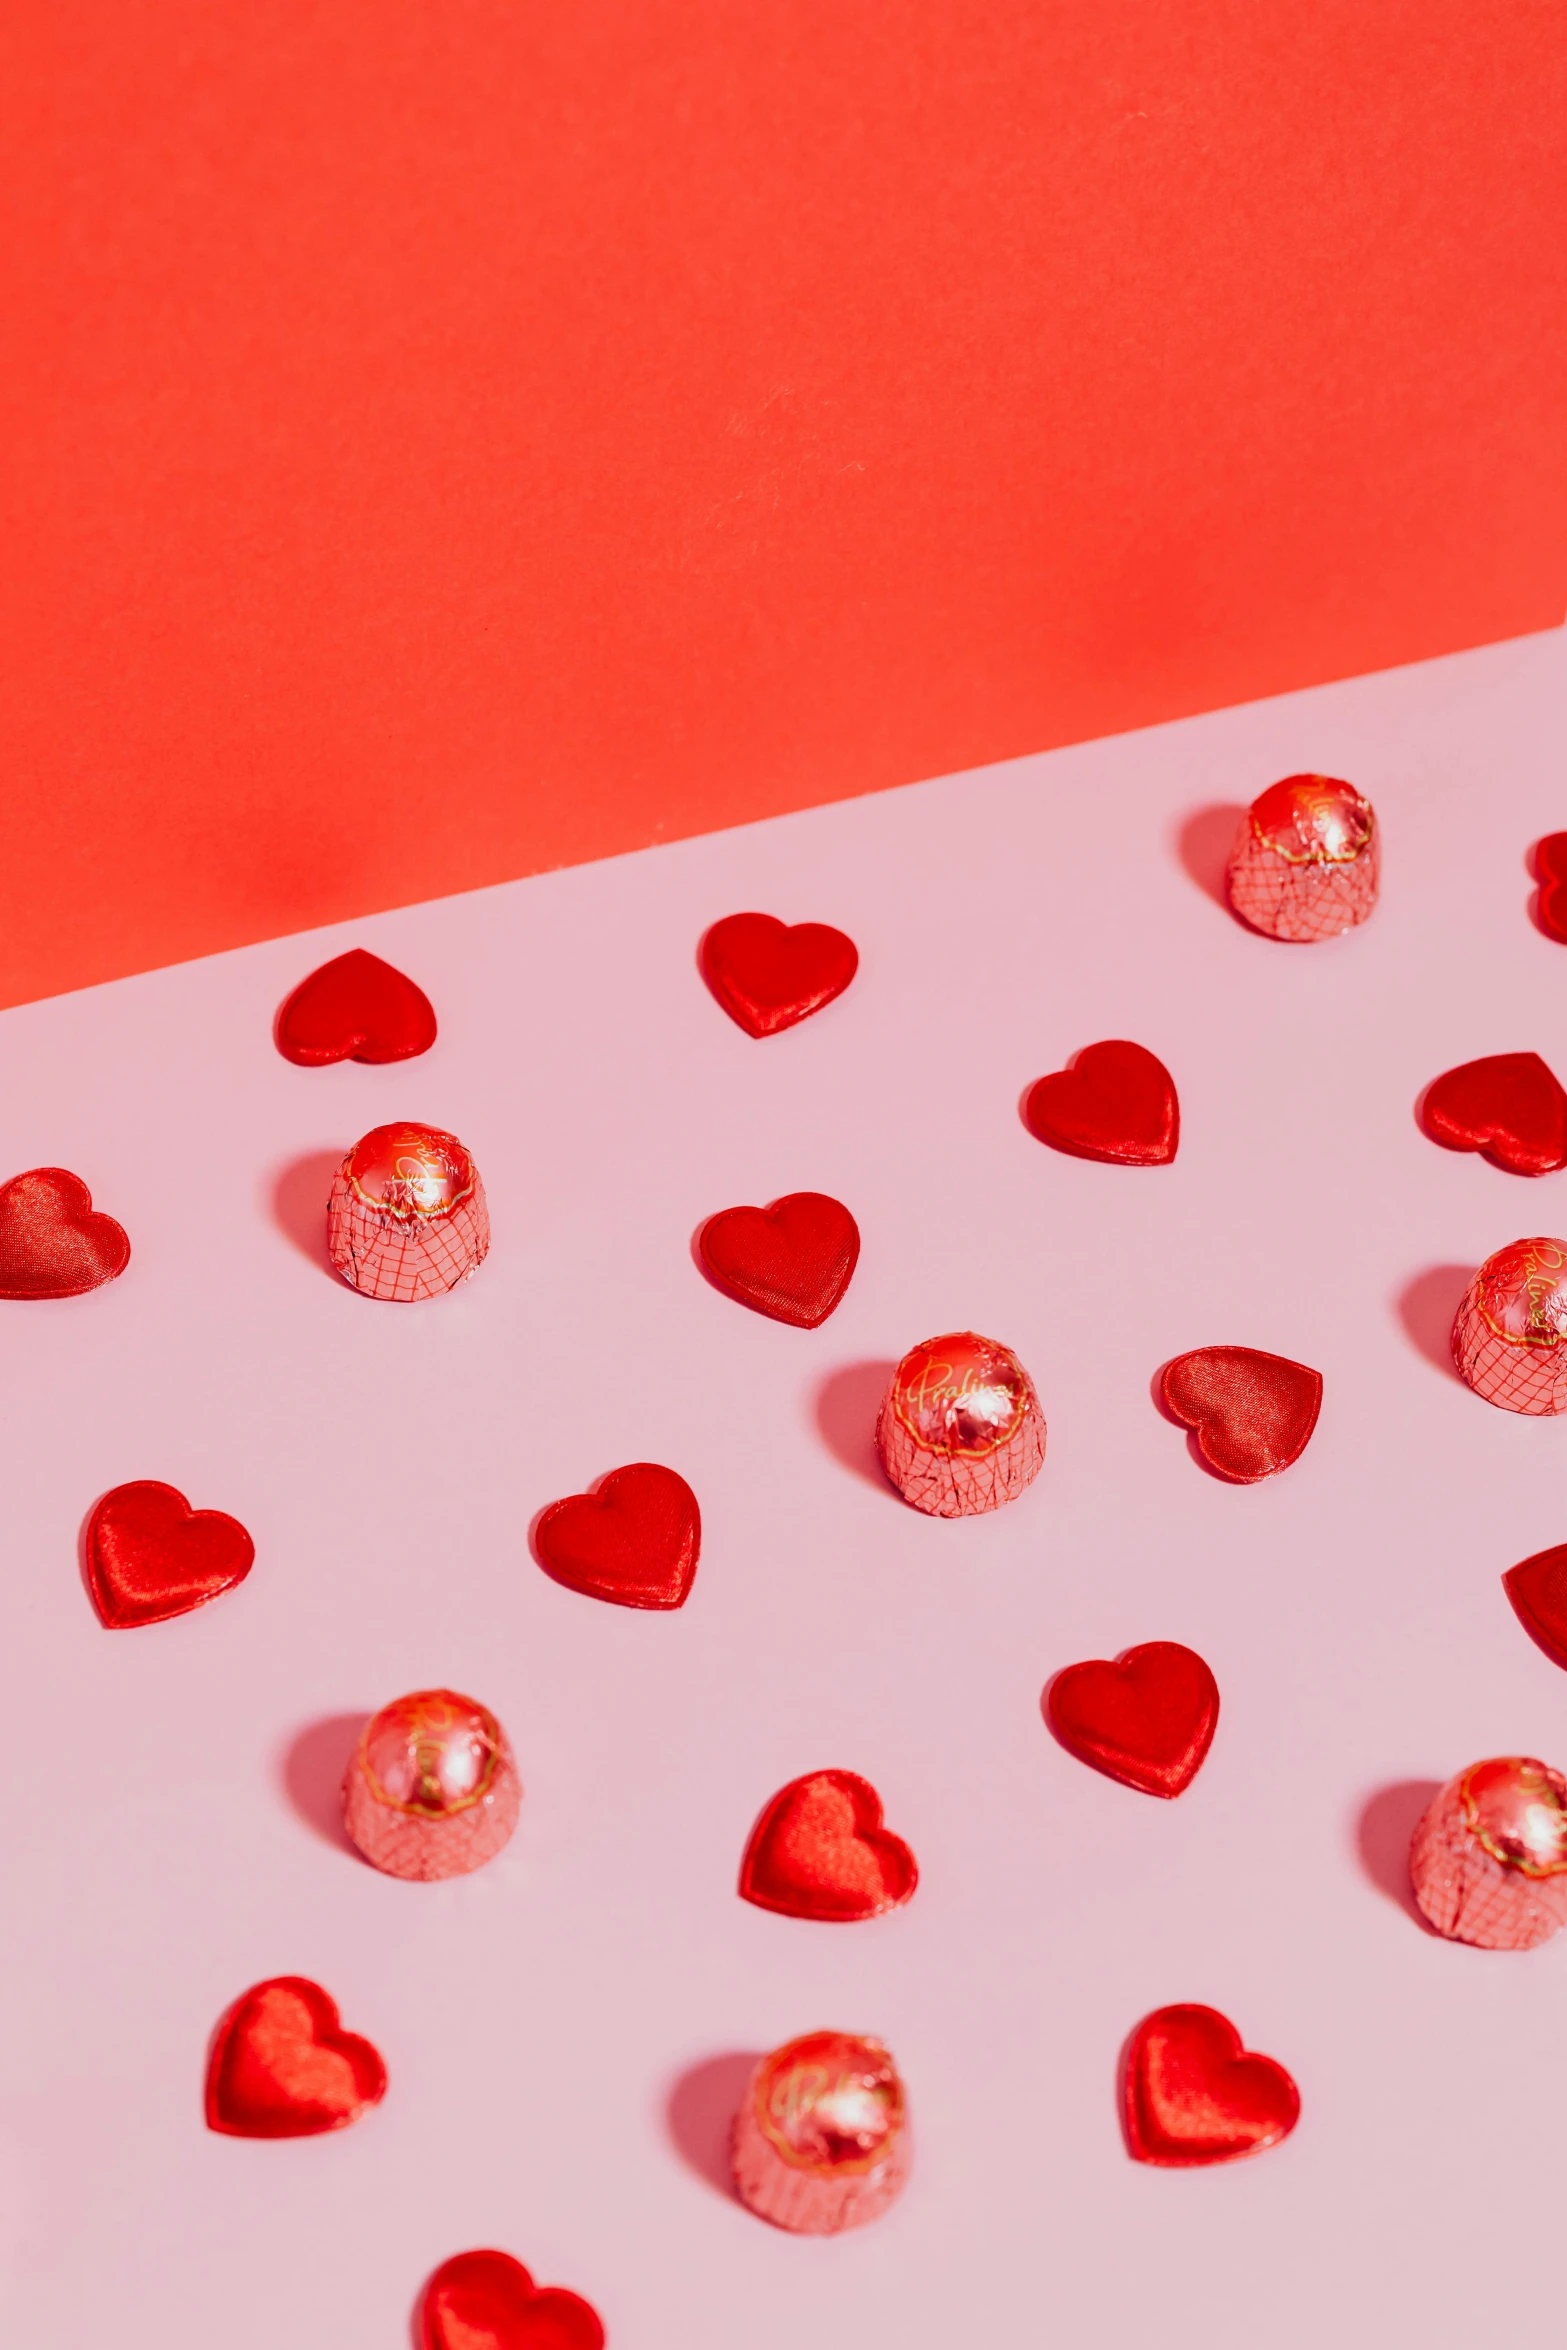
(1510,1331)
(407,1217)
(432,1790)
(1306,860)
(960,1429)
(821,2141)
(1488,1861)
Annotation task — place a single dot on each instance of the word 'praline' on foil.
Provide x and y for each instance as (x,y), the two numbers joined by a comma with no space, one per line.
(821,2141)
(960,1429)
(407,1217)
(431,1789)
(1510,1326)
(1306,860)
(1488,1860)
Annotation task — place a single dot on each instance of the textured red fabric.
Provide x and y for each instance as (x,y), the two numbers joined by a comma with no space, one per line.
(793,1260)
(1537,1587)
(151,1556)
(1252,1413)
(768,975)
(635,1539)
(1510,1106)
(820,1850)
(53,1242)
(283,2067)
(1195,2095)
(1550,870)
(1116,1101)
(355,1008)
(488,2301)
(1147,1719)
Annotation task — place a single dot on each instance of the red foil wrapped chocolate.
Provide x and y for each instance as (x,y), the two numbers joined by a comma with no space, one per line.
(1306,860)
(407,1217)
(1488,1861)
(821,2141)
(1510,1328)
(431,1789)
(960,1429)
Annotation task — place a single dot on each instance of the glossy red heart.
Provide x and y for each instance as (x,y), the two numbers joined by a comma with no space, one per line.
(355,1008)
(1509,1105)
(793,1260)
(1537,1588)
(634,1540)
(488,2301)
(1194,2094)
(53,1242)
(820,1850)
(151,1556)
(1252,1413)
(767,974)
(283,2067)
(1550,871)
(1147,1719)
(1116,1101)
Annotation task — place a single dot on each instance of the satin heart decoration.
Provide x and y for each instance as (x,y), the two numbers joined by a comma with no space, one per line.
(1509,1105)
(53,1242)
(1147,1720)
(355,1008)
(820,1850)
(635,1540)
(1116,1102)
(1537,1588)
(1194,2094)
(768,975)
(283,2067)
(793,1260)
(151,1556)
(1252,1413)
(488,2301)
(1550,870)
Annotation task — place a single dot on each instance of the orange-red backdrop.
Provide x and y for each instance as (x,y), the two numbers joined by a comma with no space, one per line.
(458,437)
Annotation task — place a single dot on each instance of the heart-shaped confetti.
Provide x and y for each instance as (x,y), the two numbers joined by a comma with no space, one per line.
(820,1850)
(1537,1588)
(1510,1106)
(1116,1102)
(793,1260)
(283,2067)
(634,1540)
(1195,2095)
(1252,1413)
(355,1008)
(1550,870)
(1147,1719)
(151,1556)
(488,2301)
(767,974)
(53,1242)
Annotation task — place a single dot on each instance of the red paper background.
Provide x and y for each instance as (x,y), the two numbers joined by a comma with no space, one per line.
(458,437)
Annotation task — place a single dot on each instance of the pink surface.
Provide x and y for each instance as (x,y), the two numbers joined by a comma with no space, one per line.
(565,2030)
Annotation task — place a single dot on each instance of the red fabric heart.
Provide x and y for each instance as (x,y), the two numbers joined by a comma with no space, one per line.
(1193,2094)
(767,974)
(1550,870)
(793,1260)
(819,1850)
(151,1556)
(488,2301)
(1116,1101)
(53,1242)
(635,1539)
(1148,1719)
(355,1008)
(1509,1105)
(1537,1588)
(1252,1413)
(283,2067)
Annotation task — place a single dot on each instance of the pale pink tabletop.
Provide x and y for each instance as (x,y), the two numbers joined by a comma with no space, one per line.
(566,2031)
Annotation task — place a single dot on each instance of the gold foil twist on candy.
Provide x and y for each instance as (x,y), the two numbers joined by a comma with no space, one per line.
(960,1430)
(1306,861)
(821,2141)
(432,1790)
(1510,1326)
(407,1217)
